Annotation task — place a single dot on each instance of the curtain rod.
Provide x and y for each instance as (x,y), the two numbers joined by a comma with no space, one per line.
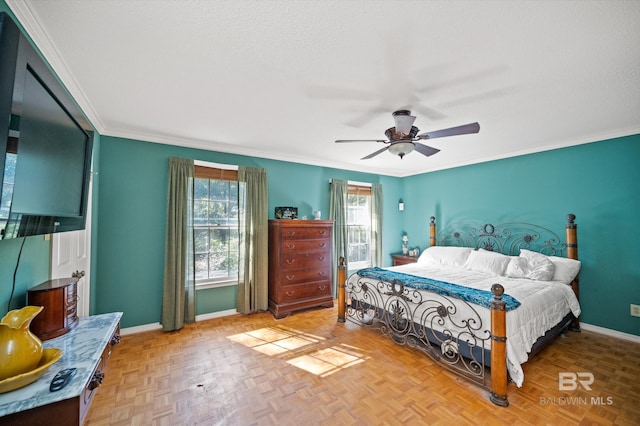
(215,165)
(353,182)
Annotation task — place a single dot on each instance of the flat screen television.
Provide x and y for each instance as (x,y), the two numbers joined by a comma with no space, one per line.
(45,145)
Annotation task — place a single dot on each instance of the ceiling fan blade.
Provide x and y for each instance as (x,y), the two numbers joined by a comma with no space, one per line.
(425,149)
(429,112)
(459,80)
(328,92)
(360,140)
(365,117)
(452,131)
(376,153)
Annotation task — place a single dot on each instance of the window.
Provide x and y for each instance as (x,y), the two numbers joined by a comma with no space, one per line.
(359,226)
(215,227)
(6,192)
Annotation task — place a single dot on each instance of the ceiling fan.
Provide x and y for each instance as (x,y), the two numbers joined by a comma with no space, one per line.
(404,137)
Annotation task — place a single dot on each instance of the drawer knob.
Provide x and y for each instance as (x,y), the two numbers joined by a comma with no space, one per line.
(290,293)
(322,257)
(290,277)
(322,245)
(322,287)
(322,273)
(290,261)
(322,232)
(291,246)
(291,233)
(96,380)
(115,339)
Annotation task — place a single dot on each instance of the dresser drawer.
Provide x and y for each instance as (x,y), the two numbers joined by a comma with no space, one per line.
(303,233)
(304,275)
(72,311)
(292,293)
(304,245)
(72,294)
(312,259)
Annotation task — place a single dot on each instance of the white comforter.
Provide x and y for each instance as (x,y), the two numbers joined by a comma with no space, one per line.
(542,305)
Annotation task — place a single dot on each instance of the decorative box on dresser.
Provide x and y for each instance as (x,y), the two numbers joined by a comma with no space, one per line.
(300,269)
(59,298)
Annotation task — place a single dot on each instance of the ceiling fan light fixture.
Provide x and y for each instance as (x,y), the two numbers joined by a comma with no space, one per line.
(401,148)
(404,122)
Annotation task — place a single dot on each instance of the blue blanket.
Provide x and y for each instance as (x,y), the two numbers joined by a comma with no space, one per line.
(472,295)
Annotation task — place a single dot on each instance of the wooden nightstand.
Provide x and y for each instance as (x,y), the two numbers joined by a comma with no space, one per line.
(401,259)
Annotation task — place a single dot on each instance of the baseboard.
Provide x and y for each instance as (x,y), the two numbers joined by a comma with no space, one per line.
(613,333)
(158,326)
(213,315)
(140,329)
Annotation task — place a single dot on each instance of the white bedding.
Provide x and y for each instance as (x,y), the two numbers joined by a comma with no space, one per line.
(543,305)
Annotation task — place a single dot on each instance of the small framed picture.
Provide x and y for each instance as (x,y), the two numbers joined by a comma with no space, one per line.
(286,213)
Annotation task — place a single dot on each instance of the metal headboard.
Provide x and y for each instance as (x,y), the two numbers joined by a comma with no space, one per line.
(506,238)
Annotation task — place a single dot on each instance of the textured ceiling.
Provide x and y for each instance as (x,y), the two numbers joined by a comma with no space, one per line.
(284,79)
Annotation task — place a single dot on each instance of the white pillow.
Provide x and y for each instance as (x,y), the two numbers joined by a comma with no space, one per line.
(445,255)
(425,258)
(487,261)
(539,265)
(566,269)
(517,267)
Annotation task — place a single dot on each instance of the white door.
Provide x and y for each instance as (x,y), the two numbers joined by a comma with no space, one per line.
(71,254)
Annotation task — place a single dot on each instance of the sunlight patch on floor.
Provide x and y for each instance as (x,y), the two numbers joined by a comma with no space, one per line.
(325,361)
(279,341)
(275,340)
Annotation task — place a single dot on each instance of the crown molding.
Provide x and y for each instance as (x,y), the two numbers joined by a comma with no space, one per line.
(48,51)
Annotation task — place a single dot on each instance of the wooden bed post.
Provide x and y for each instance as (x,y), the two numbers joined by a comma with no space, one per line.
(432,232)
(498,347)
(342,279)
(572,253)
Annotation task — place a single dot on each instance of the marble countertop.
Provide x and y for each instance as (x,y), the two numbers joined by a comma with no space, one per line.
(81,348)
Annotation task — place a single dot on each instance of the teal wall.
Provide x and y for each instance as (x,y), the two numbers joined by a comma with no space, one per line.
(132,212)
(598,182)
(33,269)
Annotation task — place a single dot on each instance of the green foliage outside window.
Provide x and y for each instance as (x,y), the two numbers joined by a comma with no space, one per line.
(215,222)
(359,228)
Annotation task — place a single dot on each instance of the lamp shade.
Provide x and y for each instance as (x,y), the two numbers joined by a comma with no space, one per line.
(404,123)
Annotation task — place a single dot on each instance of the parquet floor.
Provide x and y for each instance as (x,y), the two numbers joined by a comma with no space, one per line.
(307,369)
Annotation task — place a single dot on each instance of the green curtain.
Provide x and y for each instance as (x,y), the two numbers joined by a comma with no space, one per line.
(178,298)
(253,279)
(376,224)
(338,213)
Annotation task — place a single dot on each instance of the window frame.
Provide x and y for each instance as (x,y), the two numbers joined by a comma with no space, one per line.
(205,170)
(358,190)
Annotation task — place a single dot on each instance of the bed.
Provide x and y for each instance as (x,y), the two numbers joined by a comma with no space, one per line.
(481,300)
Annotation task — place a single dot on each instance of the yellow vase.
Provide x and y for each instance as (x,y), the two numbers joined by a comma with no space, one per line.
(20,350)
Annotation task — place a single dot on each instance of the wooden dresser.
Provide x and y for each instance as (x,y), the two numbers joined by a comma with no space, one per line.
(300,269)
(59,298)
